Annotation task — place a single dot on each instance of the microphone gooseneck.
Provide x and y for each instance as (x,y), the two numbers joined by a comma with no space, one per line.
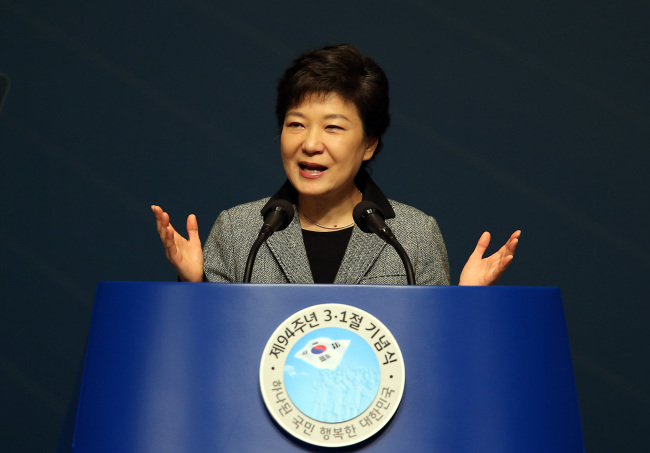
(277,216)
(369,219)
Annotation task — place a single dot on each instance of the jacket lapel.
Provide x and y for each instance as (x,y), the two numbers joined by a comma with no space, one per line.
(364,248)
(288,248)
(362,252)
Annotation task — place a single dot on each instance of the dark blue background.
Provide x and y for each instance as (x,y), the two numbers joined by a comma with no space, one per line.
(531,115)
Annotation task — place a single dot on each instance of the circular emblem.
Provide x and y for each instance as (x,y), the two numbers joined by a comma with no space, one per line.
(332,375)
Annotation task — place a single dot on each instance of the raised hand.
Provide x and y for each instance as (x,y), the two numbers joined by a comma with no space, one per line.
(185,255)
(479,271)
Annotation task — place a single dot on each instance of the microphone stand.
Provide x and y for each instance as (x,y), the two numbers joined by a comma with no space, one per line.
(370,219)
(277,216)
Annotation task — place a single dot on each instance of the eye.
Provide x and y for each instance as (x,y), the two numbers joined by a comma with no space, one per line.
(334,127)
(293,125)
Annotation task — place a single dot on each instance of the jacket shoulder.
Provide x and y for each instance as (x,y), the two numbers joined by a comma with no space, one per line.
(250,210)
(420,235)
(407,213)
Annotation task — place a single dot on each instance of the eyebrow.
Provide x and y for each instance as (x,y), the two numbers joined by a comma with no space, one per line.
(329,116)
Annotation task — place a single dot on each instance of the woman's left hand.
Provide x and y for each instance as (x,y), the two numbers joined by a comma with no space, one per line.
(479,271)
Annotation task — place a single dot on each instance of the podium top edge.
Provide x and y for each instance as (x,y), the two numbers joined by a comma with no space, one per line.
(323,285)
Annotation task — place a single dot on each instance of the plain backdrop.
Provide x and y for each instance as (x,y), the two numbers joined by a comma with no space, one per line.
(531,115)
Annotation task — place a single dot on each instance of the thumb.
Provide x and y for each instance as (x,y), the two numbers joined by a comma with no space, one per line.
(482,244)
(192,228)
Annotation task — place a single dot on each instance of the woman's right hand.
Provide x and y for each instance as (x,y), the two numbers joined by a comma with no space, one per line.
(185,255)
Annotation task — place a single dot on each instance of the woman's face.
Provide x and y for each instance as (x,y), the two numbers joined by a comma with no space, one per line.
(323,146)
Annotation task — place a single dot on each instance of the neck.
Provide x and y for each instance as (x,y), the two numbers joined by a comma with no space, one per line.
(327,212)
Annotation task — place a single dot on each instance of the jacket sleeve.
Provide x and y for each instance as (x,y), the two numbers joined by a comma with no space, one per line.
(219,263)
(431,263)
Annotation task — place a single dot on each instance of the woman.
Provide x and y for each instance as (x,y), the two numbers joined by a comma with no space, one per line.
(332,110)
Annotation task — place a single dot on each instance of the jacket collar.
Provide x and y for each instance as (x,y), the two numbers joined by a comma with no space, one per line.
(363,181)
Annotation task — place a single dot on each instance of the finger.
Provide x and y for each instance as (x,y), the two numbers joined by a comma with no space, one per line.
(159,213)
(192,228)
(162,225)
(166,222)
(165,225)
(502,266)
(157,210)
(482,244)
(511,245)
(170,242)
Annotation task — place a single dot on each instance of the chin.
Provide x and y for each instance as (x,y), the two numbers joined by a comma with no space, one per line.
(311,190)
(306,186)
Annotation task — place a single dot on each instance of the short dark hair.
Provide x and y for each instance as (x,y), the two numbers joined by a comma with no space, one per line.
(340,69)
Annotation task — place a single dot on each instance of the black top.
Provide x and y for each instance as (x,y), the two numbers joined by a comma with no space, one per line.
(325,250)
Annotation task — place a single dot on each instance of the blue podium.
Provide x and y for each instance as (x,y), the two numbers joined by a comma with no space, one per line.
(174,367)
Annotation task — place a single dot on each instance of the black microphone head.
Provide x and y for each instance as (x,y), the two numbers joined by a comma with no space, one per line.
(361,211)
(282,206)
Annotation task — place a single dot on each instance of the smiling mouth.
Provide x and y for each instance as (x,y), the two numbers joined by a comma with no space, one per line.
(312,168)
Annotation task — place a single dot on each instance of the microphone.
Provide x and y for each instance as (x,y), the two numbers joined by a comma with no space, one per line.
(369,219)
(277,214)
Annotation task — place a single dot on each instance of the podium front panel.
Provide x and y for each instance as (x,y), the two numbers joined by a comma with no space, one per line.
(173,367)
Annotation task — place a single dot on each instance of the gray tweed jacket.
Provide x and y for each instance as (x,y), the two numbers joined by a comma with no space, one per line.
(367,260)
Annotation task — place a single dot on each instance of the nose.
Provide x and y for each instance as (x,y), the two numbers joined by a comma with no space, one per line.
(313,143)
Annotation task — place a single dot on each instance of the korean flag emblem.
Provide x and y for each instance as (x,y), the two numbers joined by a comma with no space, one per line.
(324,353)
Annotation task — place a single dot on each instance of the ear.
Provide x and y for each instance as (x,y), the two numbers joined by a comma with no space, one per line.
(371,146)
